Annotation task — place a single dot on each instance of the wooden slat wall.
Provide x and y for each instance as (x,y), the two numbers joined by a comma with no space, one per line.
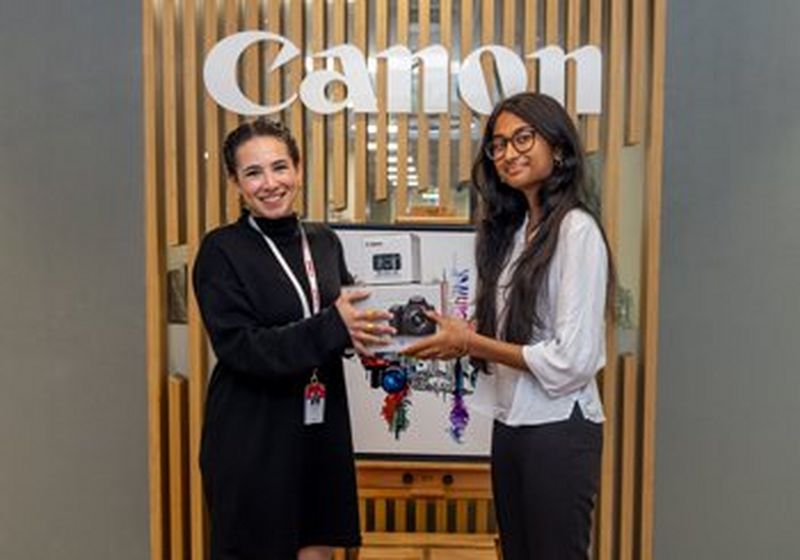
(612,150)
(186,194)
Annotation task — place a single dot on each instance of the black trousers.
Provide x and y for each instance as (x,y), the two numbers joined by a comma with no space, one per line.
(545,480)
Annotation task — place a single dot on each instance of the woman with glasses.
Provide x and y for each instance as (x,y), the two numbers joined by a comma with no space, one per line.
(545,286)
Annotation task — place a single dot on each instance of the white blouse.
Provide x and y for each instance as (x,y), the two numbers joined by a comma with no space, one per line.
(565,355)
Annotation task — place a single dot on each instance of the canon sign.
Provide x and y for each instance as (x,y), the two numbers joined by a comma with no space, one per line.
(220,77)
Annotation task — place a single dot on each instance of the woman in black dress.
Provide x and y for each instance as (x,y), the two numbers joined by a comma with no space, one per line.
(277,460)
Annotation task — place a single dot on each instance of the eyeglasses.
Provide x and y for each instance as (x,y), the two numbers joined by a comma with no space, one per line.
(522,140)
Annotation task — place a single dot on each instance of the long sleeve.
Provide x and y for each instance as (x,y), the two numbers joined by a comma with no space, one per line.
(575,350)
(240,339)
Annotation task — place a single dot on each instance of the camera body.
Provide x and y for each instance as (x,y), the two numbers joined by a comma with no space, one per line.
(409,319)
(407,303)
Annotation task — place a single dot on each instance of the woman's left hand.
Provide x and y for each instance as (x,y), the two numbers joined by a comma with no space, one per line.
(450,341)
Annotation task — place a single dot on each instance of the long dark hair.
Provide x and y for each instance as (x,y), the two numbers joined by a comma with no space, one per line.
(502,210)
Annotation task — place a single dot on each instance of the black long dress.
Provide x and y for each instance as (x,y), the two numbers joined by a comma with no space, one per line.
(273,484)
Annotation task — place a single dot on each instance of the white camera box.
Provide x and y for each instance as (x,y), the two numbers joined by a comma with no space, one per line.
(391,259)
(406,302)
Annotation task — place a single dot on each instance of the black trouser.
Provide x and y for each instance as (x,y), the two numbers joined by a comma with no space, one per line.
(545,480)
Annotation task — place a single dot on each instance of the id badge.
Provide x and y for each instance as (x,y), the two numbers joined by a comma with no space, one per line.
(314,400)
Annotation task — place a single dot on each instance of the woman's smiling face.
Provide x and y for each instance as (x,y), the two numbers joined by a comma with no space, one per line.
(266,177)
(522,170)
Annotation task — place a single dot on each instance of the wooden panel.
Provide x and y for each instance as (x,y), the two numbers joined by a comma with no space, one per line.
(592,140)
(155,295)
(319,181)
(421,516)
(423,127)
(170,117)
(462,516)
(178,498)
(509,22)
(400,515)
(382,130)
(462,554)
(273,82)
(441,516)
(250,62)
(572,43)
(529,42)
(650,278)
(401,192)
(610,202)
(382,553)
(551,22)
(464,114)
(627,468)
(198,352)
(362,514)
(444,163)
(636,77)
(482,516)
(339,120)
(359,206)
(380,514)
(296,34)
(232,204)
(487,37)
(211,129)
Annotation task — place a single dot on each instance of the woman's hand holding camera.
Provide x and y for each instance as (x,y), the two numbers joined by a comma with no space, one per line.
(452,340)
(366,327)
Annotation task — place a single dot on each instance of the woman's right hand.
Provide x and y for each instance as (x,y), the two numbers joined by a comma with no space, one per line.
(366,327)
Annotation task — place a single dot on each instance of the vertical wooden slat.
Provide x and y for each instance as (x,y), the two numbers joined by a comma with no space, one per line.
(487,37)
(232,205)
(482,516)
(339,120)
(465,115)
(380,514)
(421,516)
(636,77)
(198,352)
(178,498)
(572,43)
(650,277)
(359,205)
(250,59)
(273,82)
(551,21)
(401,193)
(441,515)
(155,295)
(381,125)
(444,163)
(509,22)
(627,468)
(592,141)
(213,211)
(170,104)
(362,514)
(400,515)
(423,127)
(529,42)
(295,75)
(610,202)
(462,515)
(319,183)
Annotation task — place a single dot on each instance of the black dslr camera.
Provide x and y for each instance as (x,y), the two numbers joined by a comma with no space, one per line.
(409,319)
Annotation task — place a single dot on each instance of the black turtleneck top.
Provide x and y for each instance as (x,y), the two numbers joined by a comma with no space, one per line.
(272,482)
